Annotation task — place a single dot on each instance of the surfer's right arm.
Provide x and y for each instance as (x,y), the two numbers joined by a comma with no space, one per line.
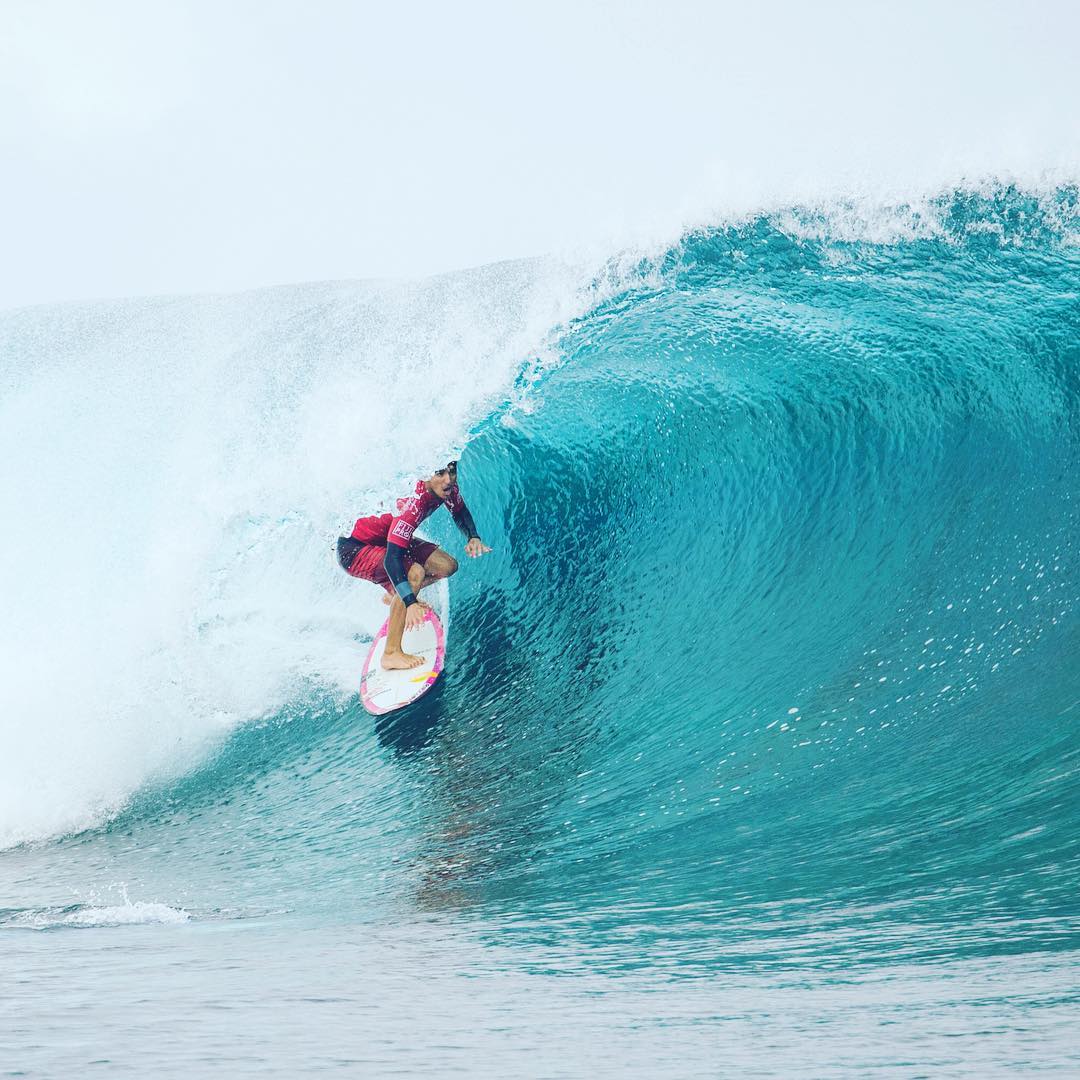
(394,565)
(399,535)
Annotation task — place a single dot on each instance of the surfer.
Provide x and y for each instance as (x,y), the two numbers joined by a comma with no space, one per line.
(383,549)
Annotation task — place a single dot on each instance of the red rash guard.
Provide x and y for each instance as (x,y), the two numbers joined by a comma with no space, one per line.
(384,529)
(395,531)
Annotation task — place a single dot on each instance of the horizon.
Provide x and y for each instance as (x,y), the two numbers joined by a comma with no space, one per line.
(165,152)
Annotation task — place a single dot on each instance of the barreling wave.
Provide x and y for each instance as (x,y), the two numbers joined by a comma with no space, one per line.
(780,622)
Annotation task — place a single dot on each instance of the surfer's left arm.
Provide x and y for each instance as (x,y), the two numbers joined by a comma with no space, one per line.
(474,546)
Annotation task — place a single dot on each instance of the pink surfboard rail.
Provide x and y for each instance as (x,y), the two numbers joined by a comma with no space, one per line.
(384,691)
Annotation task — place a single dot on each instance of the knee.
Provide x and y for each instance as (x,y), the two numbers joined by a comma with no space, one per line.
(416,576)
(451,565)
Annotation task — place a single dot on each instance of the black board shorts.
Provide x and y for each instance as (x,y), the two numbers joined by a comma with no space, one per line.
(347,550)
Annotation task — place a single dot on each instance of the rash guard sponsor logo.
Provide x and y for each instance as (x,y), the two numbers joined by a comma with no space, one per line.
(412,511)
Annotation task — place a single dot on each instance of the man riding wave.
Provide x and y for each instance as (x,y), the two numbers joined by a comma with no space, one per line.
(384,549)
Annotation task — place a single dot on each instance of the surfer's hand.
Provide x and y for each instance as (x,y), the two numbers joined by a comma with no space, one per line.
(476,547)
(414,614)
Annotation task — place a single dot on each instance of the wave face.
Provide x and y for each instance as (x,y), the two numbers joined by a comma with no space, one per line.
(788,612)
(786,606)
(775,656)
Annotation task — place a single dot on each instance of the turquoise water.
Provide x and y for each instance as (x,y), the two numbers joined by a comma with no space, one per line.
(756,751)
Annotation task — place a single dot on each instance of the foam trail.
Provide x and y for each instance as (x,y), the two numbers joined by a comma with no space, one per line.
(176,470)
(138,913)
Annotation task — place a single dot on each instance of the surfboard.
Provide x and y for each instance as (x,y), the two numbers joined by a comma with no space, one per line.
(383,691)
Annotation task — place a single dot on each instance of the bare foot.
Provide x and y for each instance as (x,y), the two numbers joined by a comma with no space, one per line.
(400,661)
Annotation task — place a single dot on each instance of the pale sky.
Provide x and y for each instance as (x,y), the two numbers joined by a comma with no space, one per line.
(183,146)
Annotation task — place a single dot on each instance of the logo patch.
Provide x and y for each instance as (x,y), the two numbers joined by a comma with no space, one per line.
(403,529)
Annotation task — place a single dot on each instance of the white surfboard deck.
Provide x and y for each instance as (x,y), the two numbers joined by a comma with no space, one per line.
(383,691)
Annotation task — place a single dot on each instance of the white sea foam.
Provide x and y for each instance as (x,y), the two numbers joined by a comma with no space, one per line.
(126,914)
(176,470)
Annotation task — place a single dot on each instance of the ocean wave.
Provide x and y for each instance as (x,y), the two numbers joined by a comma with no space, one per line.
(779,615)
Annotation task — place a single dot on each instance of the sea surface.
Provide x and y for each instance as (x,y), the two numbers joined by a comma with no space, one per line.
(758,745)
